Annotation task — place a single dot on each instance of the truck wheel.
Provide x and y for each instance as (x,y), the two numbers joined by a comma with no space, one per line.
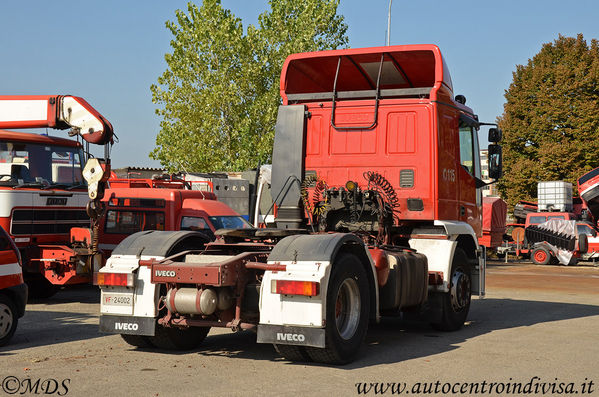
(178,339)
(347,307)
(541,256)
(292,353)
(456,302)
(137,340)
(8,319)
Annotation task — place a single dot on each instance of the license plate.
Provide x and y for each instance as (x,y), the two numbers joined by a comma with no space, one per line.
(116,303)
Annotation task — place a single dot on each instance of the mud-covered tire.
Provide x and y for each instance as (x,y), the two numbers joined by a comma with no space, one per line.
(347,308)
(293,353)
(137,340)
(177,338)
(455,304)
(8,319)
(540,256)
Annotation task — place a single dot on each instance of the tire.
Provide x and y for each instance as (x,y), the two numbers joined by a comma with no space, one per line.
(347,308)
(540,256)
(137,340)
(8,319)
(293,353)
(178,339)
(455,304)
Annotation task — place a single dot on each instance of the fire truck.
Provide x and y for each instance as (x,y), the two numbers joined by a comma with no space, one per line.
(137,204)
(376,183)
(13,290)
(46,184)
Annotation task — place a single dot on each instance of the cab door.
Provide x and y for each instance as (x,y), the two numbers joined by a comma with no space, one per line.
(469,207)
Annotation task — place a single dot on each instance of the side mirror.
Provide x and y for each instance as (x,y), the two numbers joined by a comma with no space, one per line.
(495,162)
(495,135)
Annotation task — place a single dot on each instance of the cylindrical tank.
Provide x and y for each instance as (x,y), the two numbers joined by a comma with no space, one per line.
(192,301)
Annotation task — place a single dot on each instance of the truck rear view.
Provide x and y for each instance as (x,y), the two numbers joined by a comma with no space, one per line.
(376,176)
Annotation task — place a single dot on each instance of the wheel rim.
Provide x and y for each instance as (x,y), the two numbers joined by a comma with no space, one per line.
(460,290)
(540,256)
(6,319)
(347,308)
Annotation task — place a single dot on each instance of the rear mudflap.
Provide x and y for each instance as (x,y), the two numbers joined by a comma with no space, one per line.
(289,335)
(128,325)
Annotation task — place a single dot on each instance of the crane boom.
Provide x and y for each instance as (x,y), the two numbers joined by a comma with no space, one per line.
(62,112)
(58,112)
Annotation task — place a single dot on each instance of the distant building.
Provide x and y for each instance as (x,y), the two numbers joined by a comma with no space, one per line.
(489,190)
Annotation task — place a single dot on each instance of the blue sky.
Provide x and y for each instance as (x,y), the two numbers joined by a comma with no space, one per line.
(110,52)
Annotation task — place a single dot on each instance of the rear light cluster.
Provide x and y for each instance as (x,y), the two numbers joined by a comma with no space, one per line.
(288,287)
(114,279)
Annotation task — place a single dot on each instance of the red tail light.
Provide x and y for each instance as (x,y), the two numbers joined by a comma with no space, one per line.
(288,287)
(114,279)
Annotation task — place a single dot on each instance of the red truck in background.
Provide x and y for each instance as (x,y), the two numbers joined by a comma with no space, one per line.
(494,218)
(522,248)
(376,179)
(134,205)
(13,290)
(46,183)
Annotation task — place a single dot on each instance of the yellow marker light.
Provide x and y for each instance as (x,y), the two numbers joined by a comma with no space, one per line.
(351,186)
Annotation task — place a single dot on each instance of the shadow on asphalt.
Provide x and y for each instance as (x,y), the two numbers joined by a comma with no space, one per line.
(43,326)
(391,341)
(394,340)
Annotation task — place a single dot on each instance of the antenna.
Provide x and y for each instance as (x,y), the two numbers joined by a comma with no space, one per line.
(389,24)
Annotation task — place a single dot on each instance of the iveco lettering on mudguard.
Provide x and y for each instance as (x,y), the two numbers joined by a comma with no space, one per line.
(290,337)
(165,273)
(126,326)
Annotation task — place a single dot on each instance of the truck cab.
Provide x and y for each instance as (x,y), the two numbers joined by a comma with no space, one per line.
(376,184)
(536,218)
(169,207)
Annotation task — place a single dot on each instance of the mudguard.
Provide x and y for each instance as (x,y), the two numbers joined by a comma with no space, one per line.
(158,243)
(307,258)
(311,247)
(139,317)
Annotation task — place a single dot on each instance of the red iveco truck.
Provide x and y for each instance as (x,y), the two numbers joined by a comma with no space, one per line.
(376,183)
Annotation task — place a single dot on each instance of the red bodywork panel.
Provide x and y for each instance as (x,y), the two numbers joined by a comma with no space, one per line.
(416,130)
(11,273)
(494,218)
(59,265)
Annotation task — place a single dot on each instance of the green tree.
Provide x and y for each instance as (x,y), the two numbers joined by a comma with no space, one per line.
(220,93)
(551,118)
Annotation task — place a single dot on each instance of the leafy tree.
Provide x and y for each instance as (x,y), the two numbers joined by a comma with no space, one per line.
(220,93)
(551,118)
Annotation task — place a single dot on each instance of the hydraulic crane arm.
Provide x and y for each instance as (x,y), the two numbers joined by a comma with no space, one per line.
(58,112)
(62,112)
